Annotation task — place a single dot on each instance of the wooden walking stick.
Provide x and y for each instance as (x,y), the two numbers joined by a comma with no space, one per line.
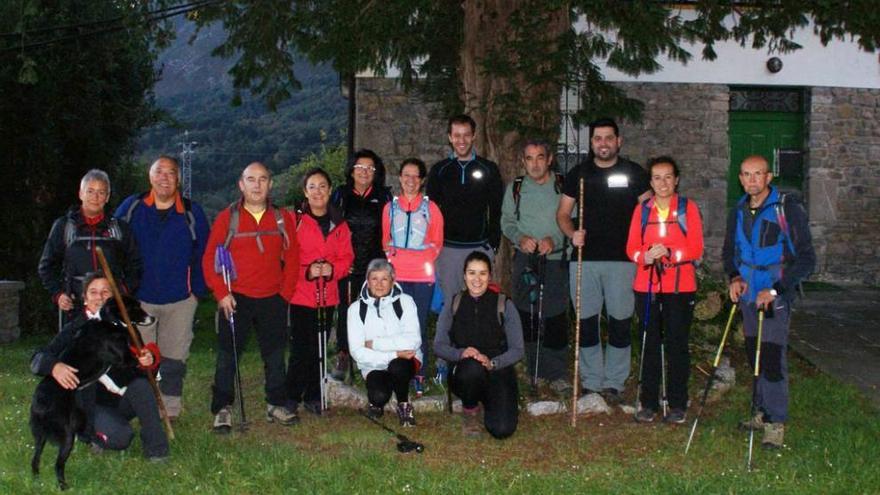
(577,307)
(135,338)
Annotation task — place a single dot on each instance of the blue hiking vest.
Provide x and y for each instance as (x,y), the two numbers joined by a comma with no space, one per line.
(760,254)
(409,228)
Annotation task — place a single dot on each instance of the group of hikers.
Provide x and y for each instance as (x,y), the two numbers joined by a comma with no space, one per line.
(381,262)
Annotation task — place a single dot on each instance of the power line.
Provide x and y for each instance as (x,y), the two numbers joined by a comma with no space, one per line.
(149,18)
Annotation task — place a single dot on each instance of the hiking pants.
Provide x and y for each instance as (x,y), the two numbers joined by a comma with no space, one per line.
(496,389)
(669,323)
(771,395)
(303,367)
(608,283)
(267,317)
(380,383)
(173,333)
(113,424)
(421,292)
(349,291)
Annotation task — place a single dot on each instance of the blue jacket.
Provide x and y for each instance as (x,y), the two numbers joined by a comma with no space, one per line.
(766,252)
(172,260)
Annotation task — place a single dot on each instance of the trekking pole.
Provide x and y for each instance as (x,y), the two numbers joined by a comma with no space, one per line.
(646,317)
(711,377)
(577,306)
(320,317)
(664,398)
(755,385)
(542,266)
(135,338)
(404,444)
(223,261)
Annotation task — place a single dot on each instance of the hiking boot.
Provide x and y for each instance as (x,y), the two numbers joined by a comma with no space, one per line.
(282,415)
(470,424)
(374,412)
(405,414)
(343,363)
(676,417)
(645,415)
(588,391)
(756,423)
(611,396)
(419,385)
(773,435)
(223,420)
(313,406)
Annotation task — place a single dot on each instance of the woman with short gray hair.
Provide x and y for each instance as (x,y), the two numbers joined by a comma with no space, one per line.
(384,339)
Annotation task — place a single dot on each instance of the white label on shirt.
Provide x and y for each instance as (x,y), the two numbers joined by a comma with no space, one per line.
(618,180)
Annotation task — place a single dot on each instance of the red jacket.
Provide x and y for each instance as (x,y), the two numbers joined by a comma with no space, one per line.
(257,274)
(335,249)
(679,272)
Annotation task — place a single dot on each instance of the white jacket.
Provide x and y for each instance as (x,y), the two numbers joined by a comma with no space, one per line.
(381,325)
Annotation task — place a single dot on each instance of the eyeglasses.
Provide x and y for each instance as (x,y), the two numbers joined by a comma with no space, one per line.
(366,168)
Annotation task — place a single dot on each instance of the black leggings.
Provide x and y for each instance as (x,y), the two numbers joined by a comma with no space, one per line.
(380,383)
(496,389)
(675,321)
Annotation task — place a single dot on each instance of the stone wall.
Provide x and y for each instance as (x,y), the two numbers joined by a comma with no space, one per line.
(693,130)
(9,306)
(689,122)
(844,184)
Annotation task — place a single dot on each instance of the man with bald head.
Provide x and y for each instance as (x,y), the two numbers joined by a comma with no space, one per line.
(767,251)
(171,232)
(262,241)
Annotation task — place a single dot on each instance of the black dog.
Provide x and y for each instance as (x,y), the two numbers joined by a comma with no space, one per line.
(92,347)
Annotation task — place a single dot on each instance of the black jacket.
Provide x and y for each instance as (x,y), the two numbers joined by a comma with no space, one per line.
(469,195)
(62,266)
(364,217)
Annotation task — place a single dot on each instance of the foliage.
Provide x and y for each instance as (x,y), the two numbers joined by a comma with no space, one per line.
(425,40)
(66,108)
(331,158)
(831,447)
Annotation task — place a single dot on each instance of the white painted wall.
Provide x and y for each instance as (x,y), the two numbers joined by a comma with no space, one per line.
(840,63)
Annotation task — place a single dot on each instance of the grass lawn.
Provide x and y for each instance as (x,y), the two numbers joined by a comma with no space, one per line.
(833,446)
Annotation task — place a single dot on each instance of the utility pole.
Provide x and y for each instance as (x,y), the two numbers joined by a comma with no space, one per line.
(187,150)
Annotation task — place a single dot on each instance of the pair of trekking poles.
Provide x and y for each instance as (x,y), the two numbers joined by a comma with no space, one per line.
(323,331)
(753,409)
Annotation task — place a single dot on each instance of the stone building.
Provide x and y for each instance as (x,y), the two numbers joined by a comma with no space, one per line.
(817,119)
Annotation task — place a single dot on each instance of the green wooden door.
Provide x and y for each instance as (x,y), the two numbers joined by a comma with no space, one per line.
(763,133)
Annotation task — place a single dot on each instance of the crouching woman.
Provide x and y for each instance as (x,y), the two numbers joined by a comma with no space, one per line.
(385,340)
(481,334)
(120,395)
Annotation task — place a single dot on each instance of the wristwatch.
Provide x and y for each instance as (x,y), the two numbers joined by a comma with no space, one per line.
(773,292)
(493,364)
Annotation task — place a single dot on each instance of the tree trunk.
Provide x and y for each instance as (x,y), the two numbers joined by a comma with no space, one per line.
(489,32)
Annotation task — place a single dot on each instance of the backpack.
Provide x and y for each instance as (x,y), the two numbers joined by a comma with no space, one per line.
(233,227)
(70,233)
(398,309)
(680,211)
(558,180)
(456,302)
(187,214)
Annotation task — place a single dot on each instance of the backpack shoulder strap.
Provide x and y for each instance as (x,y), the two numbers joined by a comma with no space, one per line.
(456,302)
(517,187)
(130,211)
(279,221)
(189,217)
(646,213)
(682,214)
(502,299)
(398,308)
(69,232)
(233,224)
(363,311)
(115,229)
(783,222)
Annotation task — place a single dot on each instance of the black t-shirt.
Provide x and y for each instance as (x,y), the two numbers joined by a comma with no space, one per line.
(610,196)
